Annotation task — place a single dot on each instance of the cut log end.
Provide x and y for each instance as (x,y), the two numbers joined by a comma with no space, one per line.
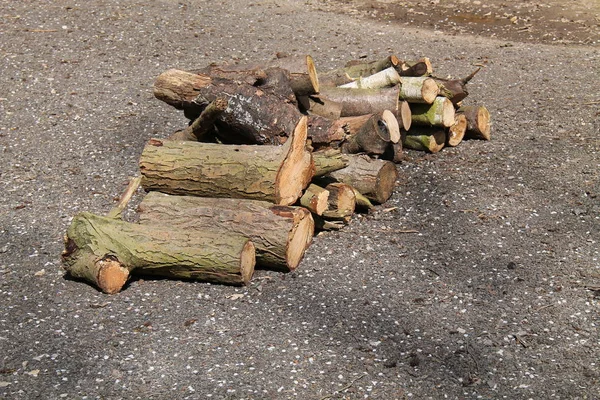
(247,262)
(391,122)
(112,276)
(405,114)
(297,169)
(456,132)
(386,179)
(312,73)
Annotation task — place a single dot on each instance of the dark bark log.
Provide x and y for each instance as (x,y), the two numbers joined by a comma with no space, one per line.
(455,89)
(203,127)
(375,135)
(478,122)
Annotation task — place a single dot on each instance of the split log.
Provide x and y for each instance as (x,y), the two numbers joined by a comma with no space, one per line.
(328,160)
(374,135)
(439,113)
(315,199)
(364,101)
(424,139)
(456,132)
(319,105)
(342,199)
(272,173)
(375,179)
(419,90)
(382,79)
(280,234)
(455,89)
(202,129)
(478,122)
(105,251)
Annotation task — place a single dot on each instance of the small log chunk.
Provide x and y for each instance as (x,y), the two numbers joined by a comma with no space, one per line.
(373,178)
(341,199)
(386,78)
(478,122)
(202,129)
(456,132)
(394,152)
(315,199)
(281,234)
(440,113)
(424,139)
(419,89)
(374,135)
(319,105)
(328,160)
(362,203)
(404,115)
(455,89)
(420,68)
(354,70)
(364,101)
(273,173)
(105,251)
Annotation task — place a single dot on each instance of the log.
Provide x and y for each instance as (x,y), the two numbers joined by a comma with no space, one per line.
(304,79)
(250,74)
(280,234)
(354,70)
(319,105)
(420,68)
(439,113)
(375,179)
(364,101)
(202,129)
(272,173)
(419,90)
(455,89)
(328,160)
(362,202)
(374,135)
(394,152)
(478,122)
(106,251)
(252,116)
(324,132)
(179,88)
(315,199)
(456,132)
(382,79)
(342,199)
(424,139)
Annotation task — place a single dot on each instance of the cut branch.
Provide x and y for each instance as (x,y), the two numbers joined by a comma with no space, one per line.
(478,122)
(440,113)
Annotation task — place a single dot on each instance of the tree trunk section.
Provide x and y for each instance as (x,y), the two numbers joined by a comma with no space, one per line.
(425,139)
(478,122)
(364,101)
(179,88)
(324,132)
(341,198)
(328,160)
(374,136)
(280,234)
(456,132)
(319,105)
(419,90)
(375,179)
(455,89)
(203,127)
(273,173)
(105,251)
(382,79)
(440,113)
(304,79)
(354,70)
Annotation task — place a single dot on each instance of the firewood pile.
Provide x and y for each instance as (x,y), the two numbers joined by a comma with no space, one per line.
(272,153)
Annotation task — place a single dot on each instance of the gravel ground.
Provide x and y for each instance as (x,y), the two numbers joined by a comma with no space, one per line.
(496,297)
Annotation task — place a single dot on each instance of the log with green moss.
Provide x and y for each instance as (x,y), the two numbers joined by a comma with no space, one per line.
(439,113)
(281,234)
(315,199)
(424,139)
(277,174)
(106,251)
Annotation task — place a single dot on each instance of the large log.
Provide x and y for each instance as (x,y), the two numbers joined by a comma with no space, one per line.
(106,251)
(478,122)
(271,173)
(280,234)
(373,178)
(319,105)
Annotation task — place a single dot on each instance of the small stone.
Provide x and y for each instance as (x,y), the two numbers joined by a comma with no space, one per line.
(4,384)
(41,272)
(511,265)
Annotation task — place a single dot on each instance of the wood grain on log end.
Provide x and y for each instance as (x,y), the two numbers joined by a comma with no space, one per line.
(247,262)
(112,276)
(177,88)
(456,132)
(300,238)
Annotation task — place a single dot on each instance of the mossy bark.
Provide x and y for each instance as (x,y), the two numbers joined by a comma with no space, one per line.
(105,251)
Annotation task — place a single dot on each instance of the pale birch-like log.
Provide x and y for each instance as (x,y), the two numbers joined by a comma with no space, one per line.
(419,89)
(386,78)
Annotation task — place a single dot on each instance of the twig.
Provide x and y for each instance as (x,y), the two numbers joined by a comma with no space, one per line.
(348,386)
(117,210)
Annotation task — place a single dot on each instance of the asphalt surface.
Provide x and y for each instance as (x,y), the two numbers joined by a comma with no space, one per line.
(495,296)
